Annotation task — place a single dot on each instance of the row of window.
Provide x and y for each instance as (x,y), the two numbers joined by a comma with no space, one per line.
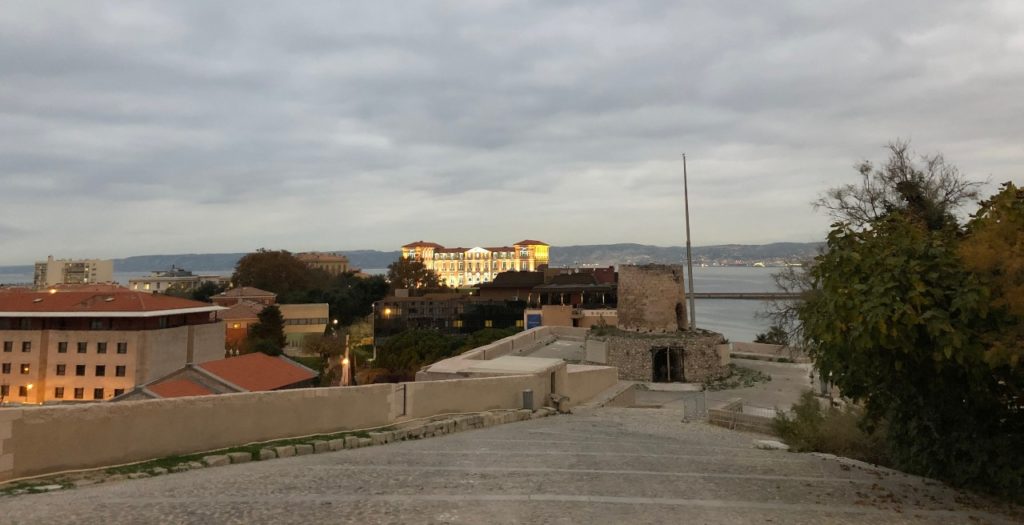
(58,392)
(100,370)
(62,347)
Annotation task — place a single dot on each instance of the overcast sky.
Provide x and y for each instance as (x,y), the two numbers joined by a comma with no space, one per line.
(130,128)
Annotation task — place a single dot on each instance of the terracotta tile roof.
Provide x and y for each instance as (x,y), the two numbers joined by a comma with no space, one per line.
(241,310)
(246,291)
(422,244)
(180,387)
(451,250)
(500,249)
(86,302)
(529,242)
(258,372)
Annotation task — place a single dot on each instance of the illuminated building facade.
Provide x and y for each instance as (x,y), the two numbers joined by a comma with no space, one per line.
(457,267)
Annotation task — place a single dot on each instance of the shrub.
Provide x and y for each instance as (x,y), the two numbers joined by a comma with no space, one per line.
(842,432)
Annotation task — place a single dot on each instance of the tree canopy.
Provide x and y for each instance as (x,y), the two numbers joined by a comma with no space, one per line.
(267,335)
(411,274)
(918,318)
(276,271)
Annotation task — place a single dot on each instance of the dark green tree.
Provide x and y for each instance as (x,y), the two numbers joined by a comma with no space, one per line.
(776,335)
(267,335)
(206,290)
(405,353)
(898,321)
(276,271)
(412,275)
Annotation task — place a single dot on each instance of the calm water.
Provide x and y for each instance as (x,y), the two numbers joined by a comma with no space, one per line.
(736,319)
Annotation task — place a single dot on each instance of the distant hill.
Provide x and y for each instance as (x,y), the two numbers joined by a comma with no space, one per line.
(594,254)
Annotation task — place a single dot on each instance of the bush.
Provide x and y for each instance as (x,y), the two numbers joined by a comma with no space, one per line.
(813,428)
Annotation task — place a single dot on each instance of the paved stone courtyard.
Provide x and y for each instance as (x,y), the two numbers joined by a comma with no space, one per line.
(605,465)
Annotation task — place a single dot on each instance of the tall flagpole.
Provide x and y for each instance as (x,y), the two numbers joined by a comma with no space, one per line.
(689,250)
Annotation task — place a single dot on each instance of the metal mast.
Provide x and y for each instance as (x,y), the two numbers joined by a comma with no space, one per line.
(689,250)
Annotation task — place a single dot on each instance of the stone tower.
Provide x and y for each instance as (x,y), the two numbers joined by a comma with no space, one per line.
(652,298)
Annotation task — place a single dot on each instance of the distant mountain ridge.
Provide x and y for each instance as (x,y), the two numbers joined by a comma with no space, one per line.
(593,255)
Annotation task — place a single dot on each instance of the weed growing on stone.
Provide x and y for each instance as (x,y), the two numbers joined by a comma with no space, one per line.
(739,377)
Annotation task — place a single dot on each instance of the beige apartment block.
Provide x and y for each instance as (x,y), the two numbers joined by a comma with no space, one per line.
(94,345)
(67,271)
(331,263)
(457,267)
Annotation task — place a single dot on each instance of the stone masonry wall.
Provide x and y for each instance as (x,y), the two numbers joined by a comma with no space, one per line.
(631,354)
(651,298)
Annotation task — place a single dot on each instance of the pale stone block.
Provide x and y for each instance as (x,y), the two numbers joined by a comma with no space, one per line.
(320,446)
(351,442)
(266,453)
(140,475)
(303,449)
(240,457)
(377,438)
(47,488)
(365,442)
(195,464)
(158,471)
(285,451)
(336,444)
(216,460)
(181,467)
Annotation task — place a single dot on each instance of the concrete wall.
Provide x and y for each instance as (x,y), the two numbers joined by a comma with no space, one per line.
(584,382)
(39,440)
(164,351)
(473,395)
(651,298)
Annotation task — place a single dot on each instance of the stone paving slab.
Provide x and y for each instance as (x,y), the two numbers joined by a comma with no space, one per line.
(597,466)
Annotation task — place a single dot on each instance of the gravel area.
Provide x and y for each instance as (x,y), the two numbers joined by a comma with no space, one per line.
(606,465)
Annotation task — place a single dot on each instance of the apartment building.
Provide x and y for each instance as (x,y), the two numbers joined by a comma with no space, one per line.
(92,345)
(458,267)
(331,263)
(177,278)
(67,271)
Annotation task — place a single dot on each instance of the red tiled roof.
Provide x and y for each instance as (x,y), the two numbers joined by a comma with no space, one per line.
(529,242)
(96,302)
(258,372)
(451,250)
(500,249)
(241,310)
(246,291)
(422,244)
(179,388)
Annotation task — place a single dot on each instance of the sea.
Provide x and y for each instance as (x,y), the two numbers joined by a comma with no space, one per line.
(738,320)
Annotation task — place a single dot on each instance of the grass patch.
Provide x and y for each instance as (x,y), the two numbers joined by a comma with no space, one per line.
(739,377)
(813,428)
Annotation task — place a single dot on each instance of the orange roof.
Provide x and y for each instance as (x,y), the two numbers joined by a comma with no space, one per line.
(80,303)
(529,242)
(241,310)
(258,371)
(179,388)
(246,291)
(422,244)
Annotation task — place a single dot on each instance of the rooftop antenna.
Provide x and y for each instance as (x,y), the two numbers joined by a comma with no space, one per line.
(689,251)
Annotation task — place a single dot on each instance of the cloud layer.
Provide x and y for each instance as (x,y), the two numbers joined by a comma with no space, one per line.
(190,126)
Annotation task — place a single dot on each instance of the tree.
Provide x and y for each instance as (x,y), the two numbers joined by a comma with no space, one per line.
(276,271)
(206,290)
(325,347)
(267,335)
(902,313)
(407,352)
(411,274)
(933,188)
(776,335)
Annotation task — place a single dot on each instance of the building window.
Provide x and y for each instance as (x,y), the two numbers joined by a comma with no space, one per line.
(79,370)
(118,391)
(26,346)
(101,370)
(58,392)
(8,346)
(25,368)
(457,323)
(519,323)
(162,322)
(62,369)
(6,368)
(122,348)
(97,324)
(97,393)
(26,324)
(79,393)
(101,348)
(23,391)
(119,370)
(82,345)
(62,347)
(5,390)
(488,324)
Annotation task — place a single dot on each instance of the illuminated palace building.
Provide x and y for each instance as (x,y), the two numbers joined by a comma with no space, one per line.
(474,266)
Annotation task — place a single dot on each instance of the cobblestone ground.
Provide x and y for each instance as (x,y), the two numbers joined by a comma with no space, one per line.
(597,466)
